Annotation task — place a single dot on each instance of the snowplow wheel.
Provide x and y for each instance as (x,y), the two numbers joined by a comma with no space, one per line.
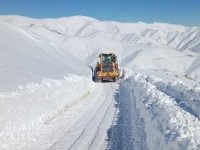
(96,78)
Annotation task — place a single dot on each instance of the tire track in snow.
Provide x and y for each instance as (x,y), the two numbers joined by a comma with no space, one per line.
(59,143)
(100,125)
(109,116)
(94,116)
(101,113)
(77,139)
(62,128)
(91,120)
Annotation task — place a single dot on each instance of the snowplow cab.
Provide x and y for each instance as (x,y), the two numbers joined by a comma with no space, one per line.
(106,68)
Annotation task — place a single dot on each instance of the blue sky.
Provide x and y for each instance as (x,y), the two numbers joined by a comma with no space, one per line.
(186,12)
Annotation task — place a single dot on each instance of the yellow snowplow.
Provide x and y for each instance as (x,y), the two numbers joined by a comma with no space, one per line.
(107,68)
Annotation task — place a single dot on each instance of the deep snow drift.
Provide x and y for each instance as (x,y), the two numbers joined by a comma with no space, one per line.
(163,115)
(48,100)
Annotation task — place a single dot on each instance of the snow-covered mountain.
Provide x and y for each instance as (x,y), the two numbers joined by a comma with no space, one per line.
(163,47)
(156,34)
(48,100)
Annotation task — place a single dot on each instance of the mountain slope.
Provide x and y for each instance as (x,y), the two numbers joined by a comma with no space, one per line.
(174,36)
(23,59)
(90,37)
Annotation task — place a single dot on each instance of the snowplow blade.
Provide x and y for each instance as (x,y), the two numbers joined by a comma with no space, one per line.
(102,76)
(114,74)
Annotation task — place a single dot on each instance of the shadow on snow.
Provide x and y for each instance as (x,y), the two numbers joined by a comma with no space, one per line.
(127,130)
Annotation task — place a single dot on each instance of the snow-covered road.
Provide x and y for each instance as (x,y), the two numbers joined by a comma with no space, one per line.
(83,125)
(138,112)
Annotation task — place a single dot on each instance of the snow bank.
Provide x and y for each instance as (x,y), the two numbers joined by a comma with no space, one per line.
(26,110)
(186,97)
(167,124)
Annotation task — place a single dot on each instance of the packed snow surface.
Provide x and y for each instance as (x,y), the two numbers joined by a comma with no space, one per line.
(49,101)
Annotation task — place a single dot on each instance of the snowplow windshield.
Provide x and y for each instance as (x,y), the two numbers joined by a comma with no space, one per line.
(107,58)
